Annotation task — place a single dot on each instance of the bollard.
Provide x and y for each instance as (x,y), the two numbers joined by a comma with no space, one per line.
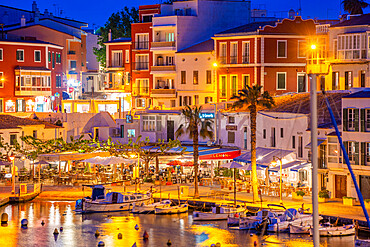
(55,232)
(169,243)
(61,229)
(218,245)
(42,222)
(255,243)
(24,223)
(101,244)
(213,245)
(251,234)
(136,227)
(119,235)
(145,235)
(4,218)
(97,233)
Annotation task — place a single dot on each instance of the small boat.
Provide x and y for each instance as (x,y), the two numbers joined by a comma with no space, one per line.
(220,212)
(299,229)
(183,208)
(110,202)
(362,243)
(143,208)
(335,231)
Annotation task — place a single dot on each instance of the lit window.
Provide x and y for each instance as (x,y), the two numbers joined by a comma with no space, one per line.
(37,56)
(281,80)
(131,133)
(20,55)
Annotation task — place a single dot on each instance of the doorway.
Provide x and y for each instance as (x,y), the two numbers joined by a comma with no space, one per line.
(170,130)
(340,186)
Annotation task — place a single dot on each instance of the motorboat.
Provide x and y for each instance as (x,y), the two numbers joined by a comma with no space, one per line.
(362,243)
(219,212)
(143,208)
(178,209)
(330,230)
(110,202)
(304,229)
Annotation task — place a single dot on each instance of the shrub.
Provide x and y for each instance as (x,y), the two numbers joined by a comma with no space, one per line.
(367,200)
(324,194)
(348,197)
(300,193)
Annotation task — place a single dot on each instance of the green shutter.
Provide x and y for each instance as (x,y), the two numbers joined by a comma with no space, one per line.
(23,105)
(363,153)
(16,105)
(356,119)
(363,129)
(345,119)
(357,153)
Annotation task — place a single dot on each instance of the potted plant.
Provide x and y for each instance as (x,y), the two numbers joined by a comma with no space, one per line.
(348,201)
(298,195)
(367,203)
(324,196)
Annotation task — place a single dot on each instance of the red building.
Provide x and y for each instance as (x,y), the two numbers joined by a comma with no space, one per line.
(271,54)
(31,74)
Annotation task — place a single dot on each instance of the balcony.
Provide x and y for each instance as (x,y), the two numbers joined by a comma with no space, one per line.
(141,66)
(163,68)
(32,91)
(140,91)
(71,52)
(233,59)
(163,93)
(163,44)
(245,59)
(222,60)
(141,45)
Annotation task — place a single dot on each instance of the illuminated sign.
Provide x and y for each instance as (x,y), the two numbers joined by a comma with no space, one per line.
(129,119)
(221,156)
(207,115)
(231,127)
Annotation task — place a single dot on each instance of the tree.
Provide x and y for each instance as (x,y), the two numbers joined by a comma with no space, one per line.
(120,25)
(354,7)
(8,149)
(253,98)
(194,126)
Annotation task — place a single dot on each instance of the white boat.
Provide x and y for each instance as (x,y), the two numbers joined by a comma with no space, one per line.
(219,212)
(143,208)
(362,243)
(110,202)
(335,231)
(183,208)
(299,229)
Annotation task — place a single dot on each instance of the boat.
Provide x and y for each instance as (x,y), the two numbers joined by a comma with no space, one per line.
(110,202)
(362,243)
(219,212)
(304,229)
(183,208)
(330,230)
(143,208)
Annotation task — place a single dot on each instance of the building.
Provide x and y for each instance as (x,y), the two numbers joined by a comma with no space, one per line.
(271,54)
(31,75)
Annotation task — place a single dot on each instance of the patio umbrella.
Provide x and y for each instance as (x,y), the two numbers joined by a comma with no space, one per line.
(108,160)
(174,163)
(248,167)
(5,163)
(234,165)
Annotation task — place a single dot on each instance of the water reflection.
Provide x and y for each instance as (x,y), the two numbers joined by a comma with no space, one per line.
(79,230)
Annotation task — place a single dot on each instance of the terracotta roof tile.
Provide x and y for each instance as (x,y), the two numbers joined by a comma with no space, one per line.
(12,122)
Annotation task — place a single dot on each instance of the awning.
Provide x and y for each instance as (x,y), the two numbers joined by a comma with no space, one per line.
(319,141)
(286,166)
(264,155)
(65,156)
(297,168)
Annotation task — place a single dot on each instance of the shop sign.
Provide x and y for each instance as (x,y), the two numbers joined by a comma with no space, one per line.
(221,156)
(207,115)
(231,127)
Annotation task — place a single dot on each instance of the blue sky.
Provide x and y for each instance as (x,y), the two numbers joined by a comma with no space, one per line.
(97,11)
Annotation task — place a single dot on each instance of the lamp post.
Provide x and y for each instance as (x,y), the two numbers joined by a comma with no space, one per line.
(274,161)
(11,158)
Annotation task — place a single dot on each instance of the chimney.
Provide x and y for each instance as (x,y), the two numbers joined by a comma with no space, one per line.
(23,21)
(34,6)
(46,13)
(37,15)
(110,35)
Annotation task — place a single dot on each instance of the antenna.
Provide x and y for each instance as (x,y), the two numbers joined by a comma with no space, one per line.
(300,8)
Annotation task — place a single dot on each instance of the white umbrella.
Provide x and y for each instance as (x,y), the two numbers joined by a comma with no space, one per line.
(234,165)
(108,160)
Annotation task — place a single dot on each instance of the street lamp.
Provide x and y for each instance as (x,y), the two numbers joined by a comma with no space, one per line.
(275,163)
(11,158)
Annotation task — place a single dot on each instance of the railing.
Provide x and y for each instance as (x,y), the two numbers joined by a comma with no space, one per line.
(163,68)
(116,64)
(222,60)
(163,44)
(32,88)
(141,65)
(245,59)
(163,92)
(233,59)
(138,91)
(322,164)
(71,52)
(142,45)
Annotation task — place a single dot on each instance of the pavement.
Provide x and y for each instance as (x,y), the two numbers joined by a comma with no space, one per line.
(333,207)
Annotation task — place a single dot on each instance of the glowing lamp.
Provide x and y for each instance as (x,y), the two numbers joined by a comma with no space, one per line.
(11,158)
(215,64)
(313,47)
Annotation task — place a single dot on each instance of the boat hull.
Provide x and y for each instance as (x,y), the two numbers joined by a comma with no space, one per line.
(299,229)
(204,216)
(283,226)
(96,207)
(362,243)
(172,210)
(336,231)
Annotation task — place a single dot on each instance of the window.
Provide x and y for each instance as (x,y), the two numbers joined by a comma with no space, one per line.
(301,49)
(152,123)
(234,85)
(58,81)
(335,80)
(281,48)
(53,60)
(281,80)
(1,105)
(223,86)
(20,55)
(117,59)
(20,105)
(352,151)
(196,99)
(222,53)
(10,106)
(13,139)
(246,52)
(264,133)
(208,77)
(293,141)
(365,153)
(73,64)
(170,37)
(365,117)
(245,137)
(208,100)
(2,79)
(234,53)
(140,103)
(281,132)
(37,56)
(347,80)
(351,46)
(246,81)
(301,82)
(34,134)
(147,18)
(300,146)
(230,137)
(231,120)
(58,58)
(187,100)
(183,77)
(362,79)
(350,119)
(173,103)
(127,56)
(142,62)
(195,77)
(142,41)
(273,139)
(49,56)
(141,87)
(131,133)
(1,54)
(180,100)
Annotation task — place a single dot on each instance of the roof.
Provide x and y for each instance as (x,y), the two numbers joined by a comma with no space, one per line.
(31,68)
(251,27)
(12,122)
(355,21)
(205,46)
(39,24)
(361,94)
(118,40)
(29,41)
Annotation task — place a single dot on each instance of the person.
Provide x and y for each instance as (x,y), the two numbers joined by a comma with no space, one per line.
(299,184)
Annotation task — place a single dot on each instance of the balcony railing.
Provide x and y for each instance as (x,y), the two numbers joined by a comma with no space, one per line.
(233,59)
(163,68)
(163,44)
(140,91)
(142,45)
(246,59)
(163,92)
(71,52)
(222,60)
(116,64)
(141,65)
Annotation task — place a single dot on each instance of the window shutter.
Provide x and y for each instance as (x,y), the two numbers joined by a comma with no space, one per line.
(357,153)
(345,144)
(363,120)
(345,119)
(356,120)
(16,105)
(23,105)
(363,153)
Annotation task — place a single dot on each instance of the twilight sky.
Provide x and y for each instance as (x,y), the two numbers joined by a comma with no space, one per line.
(97,11)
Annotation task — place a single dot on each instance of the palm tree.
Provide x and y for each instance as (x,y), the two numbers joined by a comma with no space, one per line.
(195,126)
(354,7)
(252,97)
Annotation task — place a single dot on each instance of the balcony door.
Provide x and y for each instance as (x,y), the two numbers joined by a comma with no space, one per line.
(301,78)
(340,186)
(170,130)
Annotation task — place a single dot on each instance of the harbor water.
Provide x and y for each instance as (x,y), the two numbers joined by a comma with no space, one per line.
(79,230)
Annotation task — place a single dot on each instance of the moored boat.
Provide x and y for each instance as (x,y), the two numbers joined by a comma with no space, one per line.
(335,231)
(299,229)
(143,208)
(178,209)
(362,243)
(219,212)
